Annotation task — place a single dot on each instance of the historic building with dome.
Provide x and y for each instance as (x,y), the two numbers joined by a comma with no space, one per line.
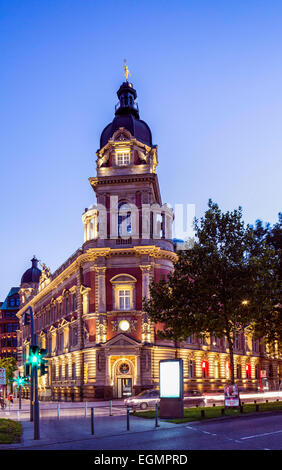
(88,313)
(9,322)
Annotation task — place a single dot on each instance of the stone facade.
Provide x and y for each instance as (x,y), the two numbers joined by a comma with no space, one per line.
(88,313)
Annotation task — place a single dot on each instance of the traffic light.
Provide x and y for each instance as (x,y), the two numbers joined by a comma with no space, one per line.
(43,367)
(21,381)
(33,355)
(43,363)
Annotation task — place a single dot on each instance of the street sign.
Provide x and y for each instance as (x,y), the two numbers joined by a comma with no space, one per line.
(231,395)
(263,373)
(2,376)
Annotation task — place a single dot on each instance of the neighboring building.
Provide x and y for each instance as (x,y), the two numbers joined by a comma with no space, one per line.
(88,313)
(9,324)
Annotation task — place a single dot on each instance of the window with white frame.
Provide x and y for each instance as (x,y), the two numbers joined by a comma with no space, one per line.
(124,292)
(123,158)
(124,299)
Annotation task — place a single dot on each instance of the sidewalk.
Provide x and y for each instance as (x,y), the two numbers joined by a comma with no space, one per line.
(59,431)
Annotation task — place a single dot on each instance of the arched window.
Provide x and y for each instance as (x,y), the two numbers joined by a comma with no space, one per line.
(124,220)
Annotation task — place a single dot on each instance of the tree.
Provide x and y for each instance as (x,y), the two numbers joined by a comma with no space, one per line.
(213,288)
(266,256)
(10,364)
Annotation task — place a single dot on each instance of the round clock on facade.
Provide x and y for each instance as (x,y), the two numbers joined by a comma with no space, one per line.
(124,325)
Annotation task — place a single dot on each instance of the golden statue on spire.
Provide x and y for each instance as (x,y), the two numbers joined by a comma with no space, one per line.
(126,71)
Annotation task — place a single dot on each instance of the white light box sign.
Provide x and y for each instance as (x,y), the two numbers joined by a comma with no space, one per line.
(171,378)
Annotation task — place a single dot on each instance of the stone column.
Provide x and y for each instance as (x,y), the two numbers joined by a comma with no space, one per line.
(138,370)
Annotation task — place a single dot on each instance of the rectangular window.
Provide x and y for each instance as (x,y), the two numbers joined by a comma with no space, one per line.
(74,336)
(191,370)
(73,370)
(74,306)
(61,341)
(123,158)
(124,299)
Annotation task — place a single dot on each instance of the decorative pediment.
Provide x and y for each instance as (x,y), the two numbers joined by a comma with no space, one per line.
(121,340)
(122,134)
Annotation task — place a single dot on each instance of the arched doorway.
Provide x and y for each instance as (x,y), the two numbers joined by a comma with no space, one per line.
(123,377)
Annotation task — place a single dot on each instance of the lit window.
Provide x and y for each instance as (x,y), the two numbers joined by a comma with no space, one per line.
(123,158)
(124,299)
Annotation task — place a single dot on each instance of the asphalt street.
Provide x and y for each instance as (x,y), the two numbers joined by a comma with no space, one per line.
(250,432)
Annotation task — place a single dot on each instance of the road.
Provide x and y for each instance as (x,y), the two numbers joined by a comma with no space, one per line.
(249,432)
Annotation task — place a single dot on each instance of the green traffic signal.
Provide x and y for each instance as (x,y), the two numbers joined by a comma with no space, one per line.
(33,355)
(36,358)
(21,381)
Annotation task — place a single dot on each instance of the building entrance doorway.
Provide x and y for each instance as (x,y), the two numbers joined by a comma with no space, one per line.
(124,387)
(123,375)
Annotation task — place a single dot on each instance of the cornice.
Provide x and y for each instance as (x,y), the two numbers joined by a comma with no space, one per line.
(92,255)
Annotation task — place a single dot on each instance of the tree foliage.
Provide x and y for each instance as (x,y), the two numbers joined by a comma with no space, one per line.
(218,284)
(10,364)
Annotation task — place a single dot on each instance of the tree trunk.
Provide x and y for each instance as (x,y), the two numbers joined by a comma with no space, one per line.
(176,350)
(231,355)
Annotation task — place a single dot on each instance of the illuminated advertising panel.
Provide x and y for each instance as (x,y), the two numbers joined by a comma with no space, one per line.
(171,378)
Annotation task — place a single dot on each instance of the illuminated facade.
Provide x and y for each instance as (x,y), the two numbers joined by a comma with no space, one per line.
(9,324)
(88,313)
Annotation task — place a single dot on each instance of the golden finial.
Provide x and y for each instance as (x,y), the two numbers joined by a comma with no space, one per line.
(126,71)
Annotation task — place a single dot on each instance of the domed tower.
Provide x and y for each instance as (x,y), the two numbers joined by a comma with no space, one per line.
(129,208)
(30,280)
(128,233)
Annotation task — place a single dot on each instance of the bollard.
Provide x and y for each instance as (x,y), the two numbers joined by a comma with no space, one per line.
(127,419)
(241,408)
(257,407)
(202,413)
(156,416)
(85,411)
(58,410)
(111,414)
(222,411)
(213,404)
(92,421)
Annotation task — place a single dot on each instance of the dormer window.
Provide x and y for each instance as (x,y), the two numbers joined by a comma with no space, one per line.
(123,158)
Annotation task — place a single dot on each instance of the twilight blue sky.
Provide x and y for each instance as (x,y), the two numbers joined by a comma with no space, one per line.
(208,75)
